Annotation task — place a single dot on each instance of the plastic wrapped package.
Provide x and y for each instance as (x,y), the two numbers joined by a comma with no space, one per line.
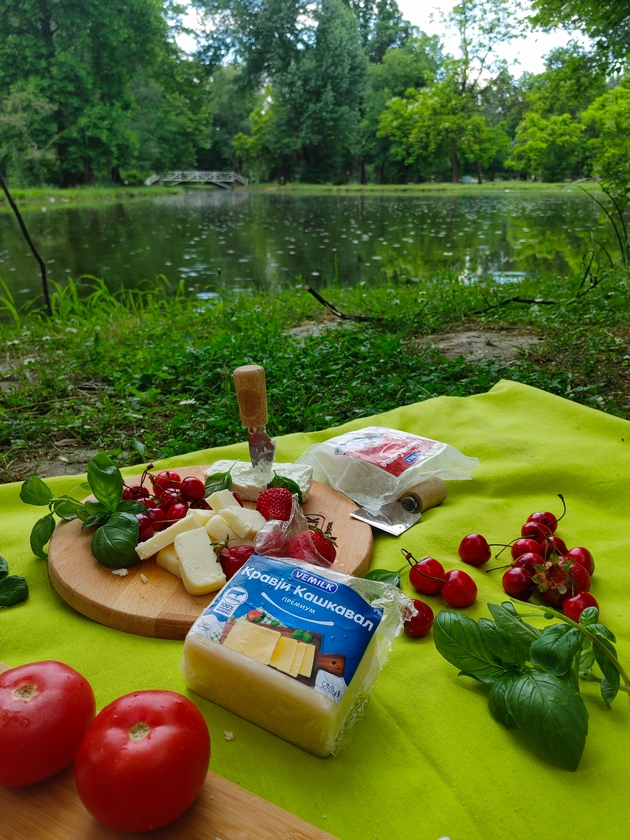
(376,465)
(294,648)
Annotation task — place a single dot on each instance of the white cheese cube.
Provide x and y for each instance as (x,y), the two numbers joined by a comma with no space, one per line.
(244,522)
(167,559)
(222,499)
(147,549)
(200,570)
(204,516)
(218,530)
(249,482)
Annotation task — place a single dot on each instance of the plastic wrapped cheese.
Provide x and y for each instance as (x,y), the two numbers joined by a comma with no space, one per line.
(294,648)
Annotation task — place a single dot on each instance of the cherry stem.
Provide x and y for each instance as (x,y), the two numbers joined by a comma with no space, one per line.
(496,568)
(564,507)
(409,557)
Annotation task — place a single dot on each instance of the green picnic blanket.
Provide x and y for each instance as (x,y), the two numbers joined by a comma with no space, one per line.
(426,760)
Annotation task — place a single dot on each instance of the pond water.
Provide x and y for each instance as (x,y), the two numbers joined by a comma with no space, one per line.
(237,240)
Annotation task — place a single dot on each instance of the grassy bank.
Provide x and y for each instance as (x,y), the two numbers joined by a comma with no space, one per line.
(148,374)
(428,187)
(51,196)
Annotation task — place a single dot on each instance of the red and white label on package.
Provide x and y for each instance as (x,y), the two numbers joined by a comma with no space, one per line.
(391,450)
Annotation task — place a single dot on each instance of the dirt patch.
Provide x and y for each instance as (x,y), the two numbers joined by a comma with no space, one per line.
(484,345)
(71,460)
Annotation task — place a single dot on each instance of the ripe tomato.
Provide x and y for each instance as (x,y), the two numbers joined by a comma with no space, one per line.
(143,760)
(45,710)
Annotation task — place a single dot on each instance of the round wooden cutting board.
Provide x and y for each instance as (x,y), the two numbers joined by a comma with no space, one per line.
(161,607)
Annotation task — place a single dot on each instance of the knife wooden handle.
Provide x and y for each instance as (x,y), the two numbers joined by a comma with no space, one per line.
(251,393)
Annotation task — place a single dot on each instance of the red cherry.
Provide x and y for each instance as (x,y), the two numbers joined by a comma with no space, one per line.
(134,493)
(420,623)
(581,556)
(145,527)
(553,545)
(474,550)
(517,583)
(192,489)
(535,530)
(168,498)
(238,498)
(427,576)
(524,546)
(459,589)
(575,606)
(148,503)
(200,504)
(547,518)
(527,562)
(166,480)
(177,511)
(158,517)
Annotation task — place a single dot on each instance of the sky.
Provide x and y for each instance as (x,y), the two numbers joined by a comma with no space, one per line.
(525,55)
(529,52)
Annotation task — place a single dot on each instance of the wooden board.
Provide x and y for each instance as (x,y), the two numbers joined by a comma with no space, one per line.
(161,607)
(52,810)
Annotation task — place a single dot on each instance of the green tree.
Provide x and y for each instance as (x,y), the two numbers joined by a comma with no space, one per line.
(538,137)
(381,26)
(27,138)
(607,124)
(608,21)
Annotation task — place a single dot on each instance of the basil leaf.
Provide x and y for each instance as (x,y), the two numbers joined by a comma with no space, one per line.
(506,616)
(96,519)
(556,647)
(35,492)
(602,632)
(611,674)
(288,483)
(501,644)
(67,508)
(551,714)
(459,640)
(218,481)
(589,616)
(13,589)
(40,535)
(114,543)
(105,480)
(4,568)
(497,702)
(609,692)
(131,506)
(384,576)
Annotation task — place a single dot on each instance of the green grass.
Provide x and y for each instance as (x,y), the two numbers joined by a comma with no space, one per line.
(428,187)
(53,197)
(147,374)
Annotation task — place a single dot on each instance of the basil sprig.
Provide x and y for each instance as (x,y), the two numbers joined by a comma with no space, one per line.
(13,588)
(533,674)
(116,536)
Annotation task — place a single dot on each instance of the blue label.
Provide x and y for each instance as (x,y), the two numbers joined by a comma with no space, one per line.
(329,624)
(413,456)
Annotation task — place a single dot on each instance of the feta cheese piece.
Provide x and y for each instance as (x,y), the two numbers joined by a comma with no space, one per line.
(148,548)
(249,482)
(167,559)
(244,522)
(200,569)
(221,499)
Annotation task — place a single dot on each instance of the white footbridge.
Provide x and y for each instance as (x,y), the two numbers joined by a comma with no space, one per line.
(221,179)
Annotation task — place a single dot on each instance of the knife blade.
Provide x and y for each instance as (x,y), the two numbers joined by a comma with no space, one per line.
(251,393)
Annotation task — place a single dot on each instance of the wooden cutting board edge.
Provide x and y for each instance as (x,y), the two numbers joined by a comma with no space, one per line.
(52,810)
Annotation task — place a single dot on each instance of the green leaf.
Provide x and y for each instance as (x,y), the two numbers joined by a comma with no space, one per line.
(130,506)
(288,483)
(502,645)
(4,568)
(67,508)
(385,576)
(556,648)
(611,674)
(13,589)
(506,616)
(589,616)
(218,481)
(497,700)
(95,520)
(459,640)
(40,535)
(609,692)
(602,632)
(35,492)
(140,448)
(105,480)
(551,714)
(114,543)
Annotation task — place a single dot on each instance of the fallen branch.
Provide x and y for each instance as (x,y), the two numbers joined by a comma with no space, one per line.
(332,308)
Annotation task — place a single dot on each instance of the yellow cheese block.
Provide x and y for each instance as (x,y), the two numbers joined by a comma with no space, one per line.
(265,696)
(167,559)
(200,569)
(253,640)
(221,499)
(218,530)
(204,516)
(147,549)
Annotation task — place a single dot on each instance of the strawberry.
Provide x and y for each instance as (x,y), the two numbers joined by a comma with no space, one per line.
(232,559)
(313,546)
(275,503)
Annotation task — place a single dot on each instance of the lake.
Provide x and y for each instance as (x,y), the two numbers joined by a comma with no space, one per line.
(242,239)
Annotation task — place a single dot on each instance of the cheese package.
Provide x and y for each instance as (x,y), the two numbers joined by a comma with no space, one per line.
(294,648)
(249,481)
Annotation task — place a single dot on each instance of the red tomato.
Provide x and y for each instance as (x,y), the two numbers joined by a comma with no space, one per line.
(143,760)
(45,710)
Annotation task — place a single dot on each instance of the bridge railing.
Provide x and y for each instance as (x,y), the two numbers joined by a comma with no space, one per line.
(180,176)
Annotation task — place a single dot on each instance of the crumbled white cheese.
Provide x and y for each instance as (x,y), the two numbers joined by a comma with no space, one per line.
(229,736)
(120,572)
(144,578)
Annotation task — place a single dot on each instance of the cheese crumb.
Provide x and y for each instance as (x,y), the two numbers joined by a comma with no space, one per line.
(229,736)
(120,572)
(144,578)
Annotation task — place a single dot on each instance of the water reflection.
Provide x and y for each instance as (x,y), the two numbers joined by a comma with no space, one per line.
(240,239)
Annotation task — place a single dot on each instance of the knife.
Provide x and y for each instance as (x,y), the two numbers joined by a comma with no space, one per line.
(251,393)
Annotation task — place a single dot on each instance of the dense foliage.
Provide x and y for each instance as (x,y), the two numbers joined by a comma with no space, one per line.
(294,90)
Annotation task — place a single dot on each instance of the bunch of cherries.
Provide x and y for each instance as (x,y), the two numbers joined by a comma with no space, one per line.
(541,564)
(168,500)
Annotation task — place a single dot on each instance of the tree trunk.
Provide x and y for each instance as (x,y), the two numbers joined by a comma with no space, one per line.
(380,179)
(362,173)
(114,175)
(88,172)
(479,173)
(455,169)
